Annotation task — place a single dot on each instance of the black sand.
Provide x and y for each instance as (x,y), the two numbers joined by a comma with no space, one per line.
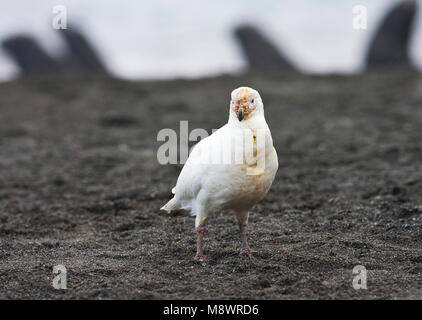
(80,185)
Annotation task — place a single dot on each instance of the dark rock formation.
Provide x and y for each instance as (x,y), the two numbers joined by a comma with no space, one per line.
(258,50)
(390,46)
(29,55)
(82,57)
(31,58)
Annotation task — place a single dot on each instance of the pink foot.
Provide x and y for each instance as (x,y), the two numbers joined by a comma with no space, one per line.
(247,251)
(200,258)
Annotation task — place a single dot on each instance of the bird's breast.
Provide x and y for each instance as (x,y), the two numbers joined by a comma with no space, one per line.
(247,189)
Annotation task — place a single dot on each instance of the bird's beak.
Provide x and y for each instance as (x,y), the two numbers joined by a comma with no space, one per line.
(240,114)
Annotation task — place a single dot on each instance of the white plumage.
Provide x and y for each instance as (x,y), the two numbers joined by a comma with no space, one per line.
(232,169)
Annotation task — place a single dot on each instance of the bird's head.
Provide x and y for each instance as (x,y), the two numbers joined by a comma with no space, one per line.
(245,102)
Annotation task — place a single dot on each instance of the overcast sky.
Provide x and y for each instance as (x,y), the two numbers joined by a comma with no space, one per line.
(191,38)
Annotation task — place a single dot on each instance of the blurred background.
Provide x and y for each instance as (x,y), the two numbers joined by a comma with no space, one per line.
(80,184)
(167,39)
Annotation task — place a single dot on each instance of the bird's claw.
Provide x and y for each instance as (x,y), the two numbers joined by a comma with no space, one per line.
(247,251)
(200,258)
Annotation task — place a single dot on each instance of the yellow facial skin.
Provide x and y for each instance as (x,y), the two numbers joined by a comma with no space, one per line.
(245,102)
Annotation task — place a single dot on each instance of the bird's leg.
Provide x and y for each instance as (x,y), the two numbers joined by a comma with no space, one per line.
(242,220)
(200,231)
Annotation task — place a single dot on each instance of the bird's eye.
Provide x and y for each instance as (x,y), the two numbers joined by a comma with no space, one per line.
(252,100)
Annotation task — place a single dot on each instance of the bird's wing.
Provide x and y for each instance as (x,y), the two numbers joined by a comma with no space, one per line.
(196,169)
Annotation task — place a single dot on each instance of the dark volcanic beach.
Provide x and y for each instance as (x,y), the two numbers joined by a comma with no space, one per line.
(80,185)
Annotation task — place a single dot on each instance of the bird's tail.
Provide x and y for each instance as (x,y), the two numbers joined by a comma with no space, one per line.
(173,204)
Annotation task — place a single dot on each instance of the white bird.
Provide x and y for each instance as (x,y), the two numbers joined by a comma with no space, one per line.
(232,169)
